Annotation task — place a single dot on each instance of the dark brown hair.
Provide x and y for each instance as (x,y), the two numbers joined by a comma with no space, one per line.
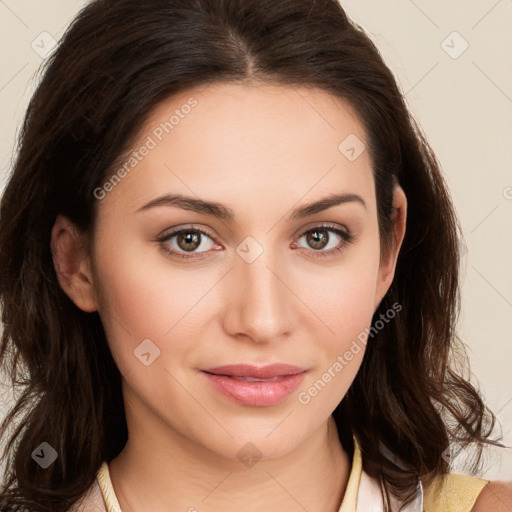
(116,62)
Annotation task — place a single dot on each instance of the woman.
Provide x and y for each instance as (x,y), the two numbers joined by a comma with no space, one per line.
(229,264)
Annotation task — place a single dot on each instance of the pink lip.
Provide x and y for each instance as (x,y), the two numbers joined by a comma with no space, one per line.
(262,393)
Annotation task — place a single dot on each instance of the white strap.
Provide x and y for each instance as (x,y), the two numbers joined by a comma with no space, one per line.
(107,489)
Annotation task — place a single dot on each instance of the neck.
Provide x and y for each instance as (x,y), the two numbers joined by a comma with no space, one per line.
(165,471)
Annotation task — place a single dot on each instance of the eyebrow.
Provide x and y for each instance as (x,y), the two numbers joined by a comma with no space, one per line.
(223,212)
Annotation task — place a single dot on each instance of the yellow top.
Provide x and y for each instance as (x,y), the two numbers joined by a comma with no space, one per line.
(454,493)
(457,493)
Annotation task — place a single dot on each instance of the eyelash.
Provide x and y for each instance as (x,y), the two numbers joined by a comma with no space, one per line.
(347,238)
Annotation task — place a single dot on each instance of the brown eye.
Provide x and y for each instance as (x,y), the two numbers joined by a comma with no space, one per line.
(331,238)
(318,238)
(188,240)
(183,241)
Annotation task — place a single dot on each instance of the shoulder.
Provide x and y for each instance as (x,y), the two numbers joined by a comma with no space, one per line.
(496,496)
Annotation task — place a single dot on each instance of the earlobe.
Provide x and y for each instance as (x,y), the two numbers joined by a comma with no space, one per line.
(72,264)
(387,268)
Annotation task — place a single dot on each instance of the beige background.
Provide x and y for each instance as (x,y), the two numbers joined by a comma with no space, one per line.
(462,98)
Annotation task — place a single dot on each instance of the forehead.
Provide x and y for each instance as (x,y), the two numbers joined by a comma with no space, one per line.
(228,140)
(289,112)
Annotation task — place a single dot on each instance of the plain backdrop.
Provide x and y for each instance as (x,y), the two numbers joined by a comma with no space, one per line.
(453,62)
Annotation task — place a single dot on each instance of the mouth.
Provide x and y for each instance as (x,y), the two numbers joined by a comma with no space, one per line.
(255,386)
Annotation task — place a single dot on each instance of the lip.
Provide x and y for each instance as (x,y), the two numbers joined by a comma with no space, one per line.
(286,379)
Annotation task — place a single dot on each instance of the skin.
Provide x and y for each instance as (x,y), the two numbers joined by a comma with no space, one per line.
(262,151)
(495,496)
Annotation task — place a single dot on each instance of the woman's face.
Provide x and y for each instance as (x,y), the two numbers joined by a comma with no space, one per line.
(256,279)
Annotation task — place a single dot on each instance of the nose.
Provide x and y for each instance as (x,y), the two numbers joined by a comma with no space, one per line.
(260,303)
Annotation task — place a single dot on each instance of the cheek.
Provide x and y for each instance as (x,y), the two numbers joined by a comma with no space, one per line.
(342,297)
(346,302)
(347,310)
(143,296)
(342,300)
(136,283)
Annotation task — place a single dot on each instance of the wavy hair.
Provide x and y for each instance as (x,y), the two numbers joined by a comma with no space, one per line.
(116,62)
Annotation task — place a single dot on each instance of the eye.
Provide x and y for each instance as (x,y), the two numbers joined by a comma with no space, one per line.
(319,238)
(187,240)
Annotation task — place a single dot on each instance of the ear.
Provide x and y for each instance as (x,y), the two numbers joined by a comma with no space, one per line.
(72,263)
(387,268)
